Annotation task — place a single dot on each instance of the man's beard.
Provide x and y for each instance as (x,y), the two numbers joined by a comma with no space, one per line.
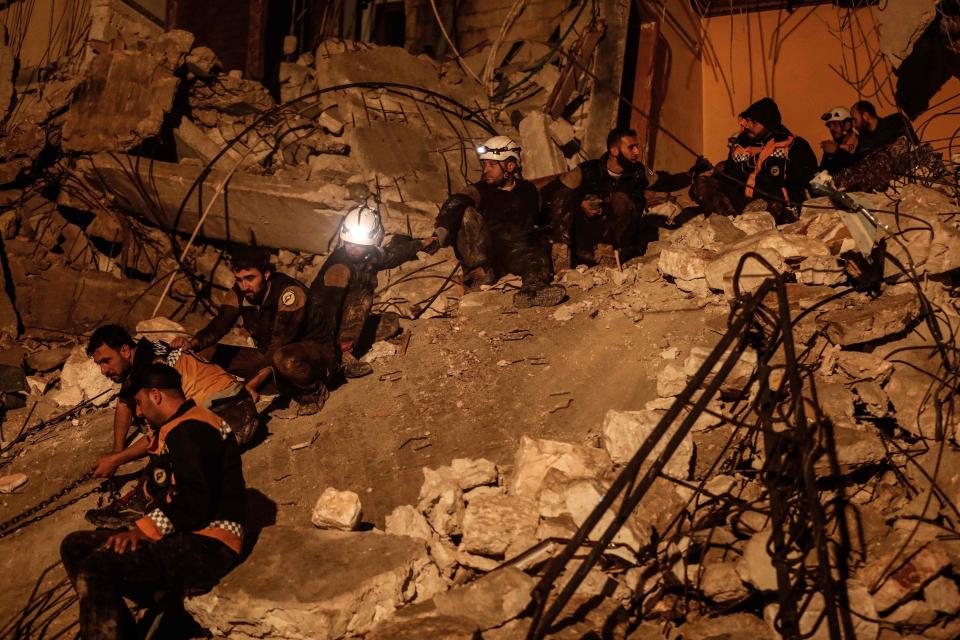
(628,165)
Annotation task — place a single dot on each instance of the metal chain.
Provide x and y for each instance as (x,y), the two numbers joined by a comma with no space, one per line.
(21,520)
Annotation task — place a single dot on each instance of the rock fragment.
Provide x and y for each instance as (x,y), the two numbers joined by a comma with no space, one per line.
(337,510)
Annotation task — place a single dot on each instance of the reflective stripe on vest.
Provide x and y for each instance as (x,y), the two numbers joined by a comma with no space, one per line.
(762,154)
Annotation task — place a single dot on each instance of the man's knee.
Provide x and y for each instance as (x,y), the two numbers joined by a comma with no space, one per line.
(291,363)
(471,244)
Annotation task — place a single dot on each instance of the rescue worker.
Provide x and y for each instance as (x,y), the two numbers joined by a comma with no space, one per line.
(192,534)
(883,153)
(876,132)
(341,296)
(767,168)
(206,384)
(272,308)
(597,208)
(491,225)
(840,151)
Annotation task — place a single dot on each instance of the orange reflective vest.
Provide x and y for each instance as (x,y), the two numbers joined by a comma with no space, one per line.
(762,153)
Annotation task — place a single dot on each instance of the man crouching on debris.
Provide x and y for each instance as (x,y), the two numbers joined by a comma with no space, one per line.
(206,384)
(597,208)
(491,226)
(272,308)
(193,533)
(767,168)
(341,296)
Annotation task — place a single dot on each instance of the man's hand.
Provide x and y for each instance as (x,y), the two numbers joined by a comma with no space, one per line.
(829,146)
(125,541)
(430,245)
(592,206)
(182,342)
(701,167)
(105,466)
(253,392)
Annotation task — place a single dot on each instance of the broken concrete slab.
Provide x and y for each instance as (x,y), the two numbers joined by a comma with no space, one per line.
(886,316)
(44,360)
(755,566)
(160,328)
(943,595)
(813,624)
(337,510)
(625,431)
(441,501)
(900,565)
(121,102)
(268,596)
(737,626)
(536,457)
(405,520)
(492,524)
(900,24)
(275,212)
(541,157)
(12,482)
(721,583)
(712,234)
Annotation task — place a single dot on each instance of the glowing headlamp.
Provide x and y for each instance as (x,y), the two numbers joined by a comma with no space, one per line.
(481,149)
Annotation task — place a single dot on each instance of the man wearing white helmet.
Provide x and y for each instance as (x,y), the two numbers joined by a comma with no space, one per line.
(840,151)
(491,225)
(341,296)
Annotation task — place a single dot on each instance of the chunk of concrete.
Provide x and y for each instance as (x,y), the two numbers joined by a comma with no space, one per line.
(813,625)
(81,380)
(712,234)
(44,360)
(886,316)
(473,472)
(900,23)
(755,566)
(536,457)
(721,583)
(671,380)
(737,626)
(306,583)
(12,482)
(405,520)
(541,157)
(441,501)
(492,524)
(120,102)
(625,431)
(943,595)
(160,328)
(754,222)
(899,566)
(337,510)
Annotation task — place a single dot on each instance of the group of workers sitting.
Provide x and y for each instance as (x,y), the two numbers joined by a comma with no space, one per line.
(181,529)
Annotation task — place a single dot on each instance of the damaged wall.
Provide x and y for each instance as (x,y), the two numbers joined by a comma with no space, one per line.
(746,58)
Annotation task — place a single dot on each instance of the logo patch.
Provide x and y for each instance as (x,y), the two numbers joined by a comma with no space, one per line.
(288,298)
(160,477)
(774,171)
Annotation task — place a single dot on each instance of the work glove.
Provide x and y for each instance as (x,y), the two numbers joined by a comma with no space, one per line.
(702,165)
(430,245)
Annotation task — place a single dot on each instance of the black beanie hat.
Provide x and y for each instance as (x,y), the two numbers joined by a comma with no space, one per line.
(766,112)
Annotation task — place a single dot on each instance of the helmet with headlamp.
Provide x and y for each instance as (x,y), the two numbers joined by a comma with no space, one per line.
(362,226)
(499,148)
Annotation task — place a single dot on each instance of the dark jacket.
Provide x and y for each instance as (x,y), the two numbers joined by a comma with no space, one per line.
(509,216)
(593,178)
(786,166)
(341,294)
(195,479)
(889,129)
(277,321)
(845,155)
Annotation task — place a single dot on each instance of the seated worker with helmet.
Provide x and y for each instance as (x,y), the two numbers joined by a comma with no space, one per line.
(840,151)
(192,533)
(767,169)
(341,296)
(204,383)
(597,208)
(491,226)
(272,308)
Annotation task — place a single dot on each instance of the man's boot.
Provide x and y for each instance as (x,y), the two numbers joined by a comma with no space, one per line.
(353,368)
(122,513)
(309,404)
(548,296)
(560,256)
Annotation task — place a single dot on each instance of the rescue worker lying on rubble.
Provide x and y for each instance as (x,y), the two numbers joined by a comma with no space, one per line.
(767,169)
(491,226)
(840,151)
(597,208)
(341,296)
(272,309)
(204,383)
(192,534)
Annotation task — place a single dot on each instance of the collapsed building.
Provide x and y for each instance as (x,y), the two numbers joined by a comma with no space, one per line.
(790,473)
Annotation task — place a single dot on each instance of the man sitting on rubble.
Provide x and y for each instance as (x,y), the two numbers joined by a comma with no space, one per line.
(491,225)
(341,296)
(272,309)
(204,383)
(597,208)
(192,534)
(767,169)
(840,151)
(883,150)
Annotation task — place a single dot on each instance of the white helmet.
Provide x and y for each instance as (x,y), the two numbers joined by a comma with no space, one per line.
(499,148)
(837,114)
(362,226)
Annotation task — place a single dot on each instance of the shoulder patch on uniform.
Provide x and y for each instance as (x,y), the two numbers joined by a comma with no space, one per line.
(291,299)
(337,275)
